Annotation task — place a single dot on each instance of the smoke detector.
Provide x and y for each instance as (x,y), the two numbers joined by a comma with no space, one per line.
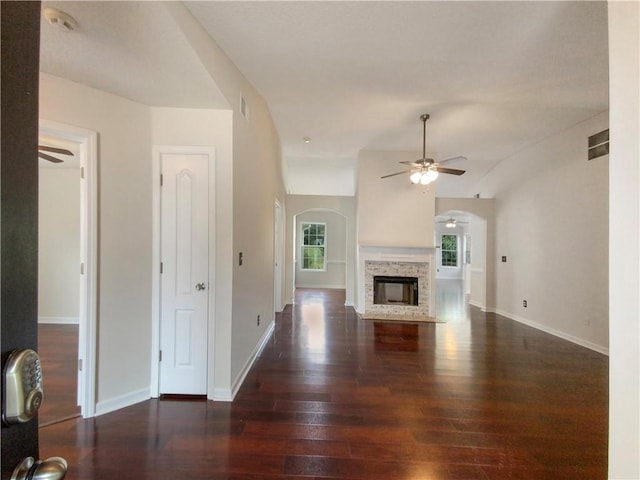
(60,20)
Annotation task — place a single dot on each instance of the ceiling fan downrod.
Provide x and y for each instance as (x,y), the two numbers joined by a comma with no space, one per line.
(424,117)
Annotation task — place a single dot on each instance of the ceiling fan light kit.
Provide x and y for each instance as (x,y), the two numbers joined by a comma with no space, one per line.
(424,176)
(426,170)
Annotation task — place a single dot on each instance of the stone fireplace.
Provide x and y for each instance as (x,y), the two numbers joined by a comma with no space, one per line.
(396,282)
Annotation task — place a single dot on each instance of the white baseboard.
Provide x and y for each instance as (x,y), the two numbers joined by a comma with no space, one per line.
(122,401)
(225,395)
(59,320)
(557,333)
(304,285)
(478,304)
(222,395)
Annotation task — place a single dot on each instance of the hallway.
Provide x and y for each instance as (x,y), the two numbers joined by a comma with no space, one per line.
(451,301)
(334,396)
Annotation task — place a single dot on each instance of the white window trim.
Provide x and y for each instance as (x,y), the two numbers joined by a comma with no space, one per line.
(442,250)
(302,245)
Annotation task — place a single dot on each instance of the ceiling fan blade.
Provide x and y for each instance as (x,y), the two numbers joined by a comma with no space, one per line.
(453,159)
(62,151)
(50,158)
(451,171)
(397,173)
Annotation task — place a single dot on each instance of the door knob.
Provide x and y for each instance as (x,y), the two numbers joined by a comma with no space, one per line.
(54,468)
(201,286)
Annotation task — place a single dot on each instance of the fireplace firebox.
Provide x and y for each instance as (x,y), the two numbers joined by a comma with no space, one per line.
(389,290)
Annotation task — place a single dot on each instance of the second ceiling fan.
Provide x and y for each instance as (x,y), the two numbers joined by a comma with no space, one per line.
(51,158)
(426,170)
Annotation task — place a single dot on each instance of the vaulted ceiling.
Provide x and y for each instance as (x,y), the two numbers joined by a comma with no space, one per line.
(494,76)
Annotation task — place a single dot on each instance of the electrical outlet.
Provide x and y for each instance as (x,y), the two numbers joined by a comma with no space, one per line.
(240,259)
(258,320)
(504,258)
(587,322)
(524,303)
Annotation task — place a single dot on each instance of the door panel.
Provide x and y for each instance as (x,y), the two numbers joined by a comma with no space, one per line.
(184,238)
(19,204)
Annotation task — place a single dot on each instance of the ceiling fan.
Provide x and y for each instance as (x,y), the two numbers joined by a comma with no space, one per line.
(426,170)
(51,158)
(451,222)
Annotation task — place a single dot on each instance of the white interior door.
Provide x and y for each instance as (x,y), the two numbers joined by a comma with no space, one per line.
(184,279)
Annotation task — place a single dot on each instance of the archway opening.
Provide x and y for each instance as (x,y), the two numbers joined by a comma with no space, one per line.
(461,263)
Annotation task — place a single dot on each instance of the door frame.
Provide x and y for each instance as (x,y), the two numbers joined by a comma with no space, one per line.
(278,254)
(87,329)
(157,152)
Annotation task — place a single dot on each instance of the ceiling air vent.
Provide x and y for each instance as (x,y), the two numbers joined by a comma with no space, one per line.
(599,144)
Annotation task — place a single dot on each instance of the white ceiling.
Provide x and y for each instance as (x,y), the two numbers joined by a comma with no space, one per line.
(132,49)
(494,76)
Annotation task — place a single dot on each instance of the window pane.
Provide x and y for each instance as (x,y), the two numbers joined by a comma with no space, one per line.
(449,242)
(313,244)
(449,251)
(313,258)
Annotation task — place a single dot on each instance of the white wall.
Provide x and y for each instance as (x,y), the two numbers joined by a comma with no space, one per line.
(248,181)
(335,251)
(256,184)
(345,207)
(477,270)
(624,225)
(59,245)
(329,177)
(392,211)
(203,127)
(551,218)
(124,263)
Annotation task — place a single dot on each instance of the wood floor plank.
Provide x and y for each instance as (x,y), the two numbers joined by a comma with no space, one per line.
(333,396)
(58,350)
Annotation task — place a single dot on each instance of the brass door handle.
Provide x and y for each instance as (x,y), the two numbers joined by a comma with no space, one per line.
(54,468)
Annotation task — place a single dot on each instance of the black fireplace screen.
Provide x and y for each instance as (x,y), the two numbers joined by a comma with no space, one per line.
(395,290)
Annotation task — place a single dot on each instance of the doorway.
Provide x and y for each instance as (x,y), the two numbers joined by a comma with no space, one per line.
(68,271)
(278,247)
(58,276)
(320,249)
(461,263)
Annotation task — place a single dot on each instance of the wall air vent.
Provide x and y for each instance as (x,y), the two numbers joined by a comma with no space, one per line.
(244,107)
(599,144)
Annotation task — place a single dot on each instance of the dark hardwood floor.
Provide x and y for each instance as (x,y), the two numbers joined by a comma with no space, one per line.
(335,397)
(58,350)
